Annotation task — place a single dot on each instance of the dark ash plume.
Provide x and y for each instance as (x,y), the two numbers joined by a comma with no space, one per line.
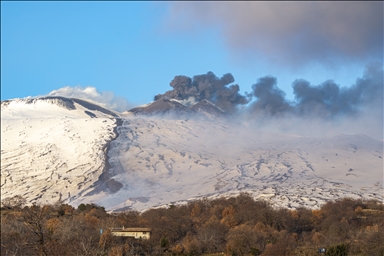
(322,100)
(270,99)
(208,87)
(327,100)
(326,32)
(315,108)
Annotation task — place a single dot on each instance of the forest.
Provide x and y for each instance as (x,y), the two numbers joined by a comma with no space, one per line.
(239,225)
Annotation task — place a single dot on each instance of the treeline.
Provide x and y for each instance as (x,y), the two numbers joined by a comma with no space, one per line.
(234,226)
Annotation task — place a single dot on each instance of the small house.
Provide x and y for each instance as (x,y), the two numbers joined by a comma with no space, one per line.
(136,233)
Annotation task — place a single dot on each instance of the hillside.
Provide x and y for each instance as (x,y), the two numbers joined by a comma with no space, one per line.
(77,152)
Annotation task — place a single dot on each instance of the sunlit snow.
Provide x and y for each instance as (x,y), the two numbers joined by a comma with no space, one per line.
(51,153)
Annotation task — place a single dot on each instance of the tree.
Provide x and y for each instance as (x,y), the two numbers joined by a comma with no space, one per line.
(35,218)
(285,245)
(164,243)
(337,250)
(105,240)
(241,239)
(211,235)
(16,201)
(191,245)
(229,216)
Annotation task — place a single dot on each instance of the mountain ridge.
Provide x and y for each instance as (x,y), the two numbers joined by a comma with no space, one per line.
(70,150)
(173,108)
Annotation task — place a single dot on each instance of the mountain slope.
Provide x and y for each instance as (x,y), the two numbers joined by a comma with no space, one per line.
(66,149)
(209,109)
(161,161)
(171,108)
(52,148)
(163,107)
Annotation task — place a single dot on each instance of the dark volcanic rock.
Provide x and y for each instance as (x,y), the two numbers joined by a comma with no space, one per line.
(172,108)
(209,109)
(163,107)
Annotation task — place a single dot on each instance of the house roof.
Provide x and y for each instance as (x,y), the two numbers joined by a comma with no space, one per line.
(131,229)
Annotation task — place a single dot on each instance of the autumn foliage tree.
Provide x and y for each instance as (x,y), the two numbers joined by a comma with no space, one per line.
(234,226)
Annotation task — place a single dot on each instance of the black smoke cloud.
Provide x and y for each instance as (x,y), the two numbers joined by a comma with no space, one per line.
(324,109)
(219,91)
(270,99)
(327,100)
(321,100)
(357,108)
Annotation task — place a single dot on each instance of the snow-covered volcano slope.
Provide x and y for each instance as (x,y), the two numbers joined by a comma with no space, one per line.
(52,148)
(162,161)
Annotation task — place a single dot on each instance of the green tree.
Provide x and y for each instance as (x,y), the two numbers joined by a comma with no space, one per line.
(164,243)
(337,250)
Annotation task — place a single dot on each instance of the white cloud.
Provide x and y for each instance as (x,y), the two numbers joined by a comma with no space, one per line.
(89,93)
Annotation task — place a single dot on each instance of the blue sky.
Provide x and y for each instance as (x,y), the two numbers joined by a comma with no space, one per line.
(134,49)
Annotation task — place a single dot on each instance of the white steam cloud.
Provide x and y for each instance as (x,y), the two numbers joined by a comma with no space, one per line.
(89,93)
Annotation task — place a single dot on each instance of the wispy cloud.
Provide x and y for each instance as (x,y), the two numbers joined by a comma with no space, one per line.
(290,33)
(106,99)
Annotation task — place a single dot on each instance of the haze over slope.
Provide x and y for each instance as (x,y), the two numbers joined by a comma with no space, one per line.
(162,161)
(56,149)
